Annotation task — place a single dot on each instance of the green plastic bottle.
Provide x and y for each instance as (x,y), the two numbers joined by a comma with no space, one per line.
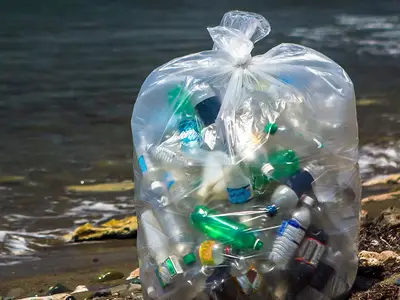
(281,164)
(224,229)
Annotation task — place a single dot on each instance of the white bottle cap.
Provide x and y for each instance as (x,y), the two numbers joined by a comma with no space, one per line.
(308,200)
(267,169)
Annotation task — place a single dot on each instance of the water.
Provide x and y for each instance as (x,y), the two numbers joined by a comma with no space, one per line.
(70,72)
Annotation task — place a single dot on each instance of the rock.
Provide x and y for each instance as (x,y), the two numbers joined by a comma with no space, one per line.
(135,287)
(80,289)
(374,259)
(102,293)
(110,276)
(124,228)
(123,186)
(83,295)
(58,289)
(16,293)
(389,217)
(364,218)
(119,289)
(392,280)
(389,179)
(382,197)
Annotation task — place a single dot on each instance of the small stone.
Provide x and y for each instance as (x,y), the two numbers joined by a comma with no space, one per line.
(15,293)
(390,217)
(102,293)
(58,289)
(135,287)
(80,289)
(119,288)
(110,275)
(364,218)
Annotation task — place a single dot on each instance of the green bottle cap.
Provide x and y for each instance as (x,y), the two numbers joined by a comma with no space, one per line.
(189,259)
(258,245)
(271,128)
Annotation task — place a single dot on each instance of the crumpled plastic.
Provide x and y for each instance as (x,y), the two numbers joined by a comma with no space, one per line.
(246,174)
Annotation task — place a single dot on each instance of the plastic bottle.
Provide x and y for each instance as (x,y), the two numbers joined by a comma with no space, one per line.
(288,137)
(291,233)
(224,229)
(157,242)
(280,164)
(307,259)
(213,253)
(189,127)
(237,184)
(155,179)
(286,196)
(250,282)
(167,266)
(180,234)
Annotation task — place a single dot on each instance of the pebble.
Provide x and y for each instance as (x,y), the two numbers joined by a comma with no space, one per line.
(110,275)
(58,289)
(80,289)
(374,259)
(103,293)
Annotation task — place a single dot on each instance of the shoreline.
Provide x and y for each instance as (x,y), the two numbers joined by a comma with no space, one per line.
(70,265)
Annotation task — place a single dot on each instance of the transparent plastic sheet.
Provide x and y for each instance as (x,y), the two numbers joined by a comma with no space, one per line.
(247,182)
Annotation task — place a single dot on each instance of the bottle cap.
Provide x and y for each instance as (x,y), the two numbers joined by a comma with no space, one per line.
(308,200)
(258,244)
(190,258)
(267,169)
(271,128)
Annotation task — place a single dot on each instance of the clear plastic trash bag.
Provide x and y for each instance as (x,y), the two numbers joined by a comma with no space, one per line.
(247,182)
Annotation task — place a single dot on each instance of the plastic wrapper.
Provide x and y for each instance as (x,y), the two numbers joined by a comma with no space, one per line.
(247,183)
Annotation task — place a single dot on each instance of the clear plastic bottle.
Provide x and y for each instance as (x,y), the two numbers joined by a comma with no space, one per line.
(287,195)
(238,185)
(157,241)
(213,253)
(291,234)
(285,136)
(180,234)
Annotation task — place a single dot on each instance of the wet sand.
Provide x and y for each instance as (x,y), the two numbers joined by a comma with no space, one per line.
(71,265)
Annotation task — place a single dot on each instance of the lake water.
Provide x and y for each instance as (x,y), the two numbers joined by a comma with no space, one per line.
(70,72)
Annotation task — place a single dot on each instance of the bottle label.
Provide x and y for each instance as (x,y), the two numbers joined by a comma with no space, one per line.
(205,253)
(142,164)
(292,230)
(239,195)
(311,251)
(168,270)
(254,278)
(189,134)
